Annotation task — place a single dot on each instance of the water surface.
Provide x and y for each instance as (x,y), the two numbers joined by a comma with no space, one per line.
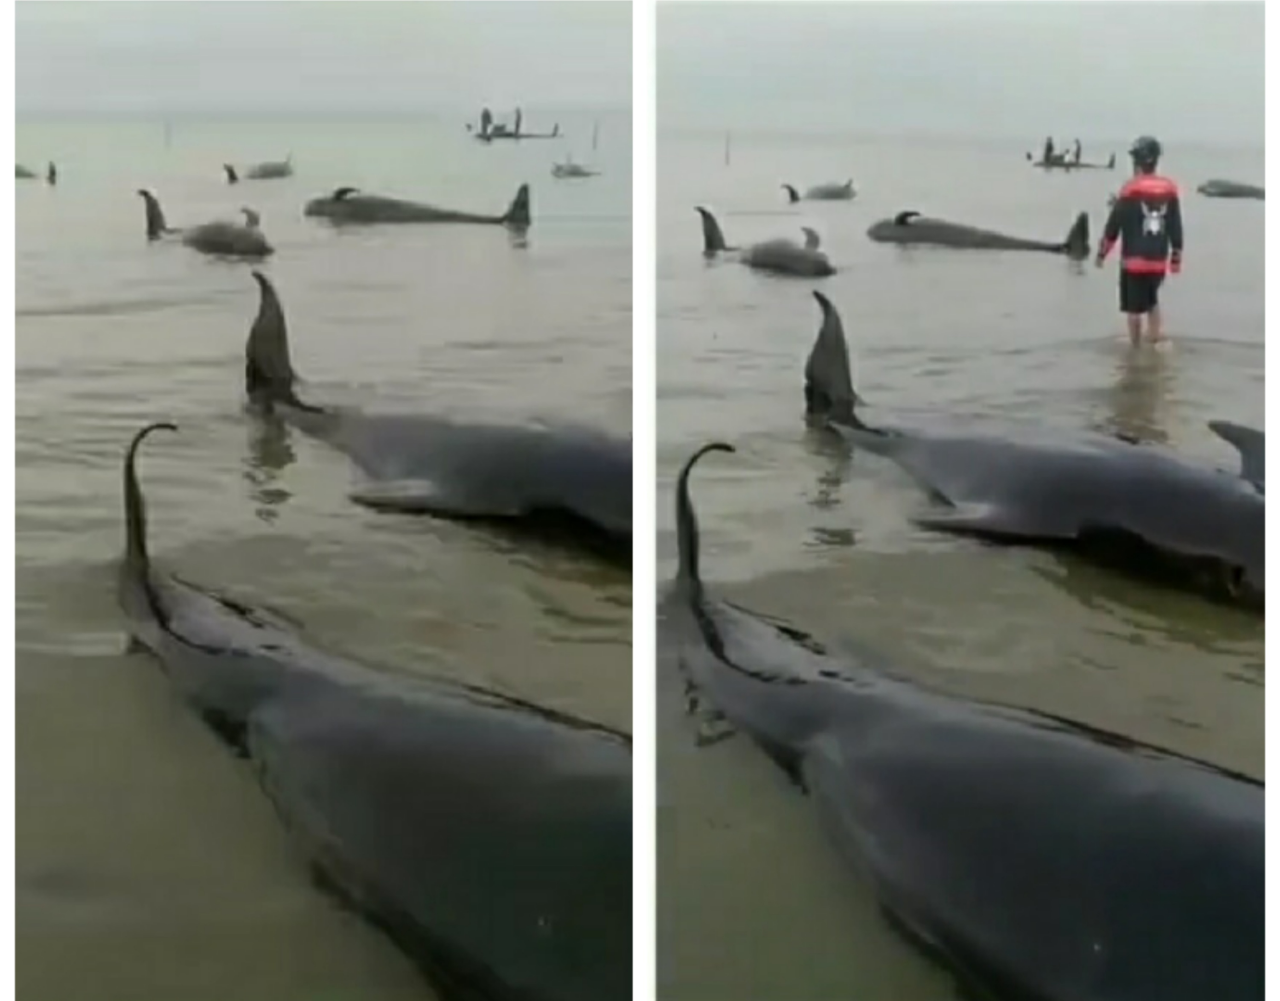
(753,904)
(149,864)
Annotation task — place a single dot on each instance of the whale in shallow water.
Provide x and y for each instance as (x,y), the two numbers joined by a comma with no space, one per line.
(780,256)
(268,170)
(569,485)
(1231,189)
(910,228)
(1033,857)
(832,192)
(1140,509)
(221,238)
(488,836)
(349,205)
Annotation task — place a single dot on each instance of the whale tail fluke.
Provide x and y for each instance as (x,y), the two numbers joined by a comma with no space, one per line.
(793,195)
(232,176)
(687,521)
(268,373)
(828,378)
(1076,245)
(519,215)
(712,235)
(156,225)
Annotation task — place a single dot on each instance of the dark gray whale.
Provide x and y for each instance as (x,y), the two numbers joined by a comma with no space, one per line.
(565,484)
(348,205)
(780,256)
(220,237)
(1231,189)
(489,837)
(265,171)
(911,228)
(831,192)
(25,173)
(1140,509)
(1036,858)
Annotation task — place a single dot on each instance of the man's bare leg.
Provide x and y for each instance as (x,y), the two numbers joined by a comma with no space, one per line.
(1154,328)
(1135,328)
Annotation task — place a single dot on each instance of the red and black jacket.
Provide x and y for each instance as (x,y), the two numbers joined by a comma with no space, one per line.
(1147,220)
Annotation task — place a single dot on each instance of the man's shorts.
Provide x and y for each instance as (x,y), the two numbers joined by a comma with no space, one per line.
(1139,293)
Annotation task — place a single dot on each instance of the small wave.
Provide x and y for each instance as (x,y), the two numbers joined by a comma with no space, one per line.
(113,307)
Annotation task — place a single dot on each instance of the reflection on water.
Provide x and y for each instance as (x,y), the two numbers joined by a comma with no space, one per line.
(1142,394)
(270,453)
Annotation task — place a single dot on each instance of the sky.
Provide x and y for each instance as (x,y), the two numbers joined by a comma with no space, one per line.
(1188,71)
(212,56)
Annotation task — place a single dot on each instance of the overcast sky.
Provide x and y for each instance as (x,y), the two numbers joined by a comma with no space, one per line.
(1189,71)
(213,56)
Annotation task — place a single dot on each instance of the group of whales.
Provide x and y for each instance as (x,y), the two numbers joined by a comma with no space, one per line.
(346,205)
(786,256)
(490,837)
(1033,856)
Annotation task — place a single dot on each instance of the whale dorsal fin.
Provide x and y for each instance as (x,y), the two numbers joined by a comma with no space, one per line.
(904,218)
(828,377)
(340,193)
(811,238)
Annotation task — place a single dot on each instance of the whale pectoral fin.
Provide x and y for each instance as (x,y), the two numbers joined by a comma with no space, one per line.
(990,522)
(426,497)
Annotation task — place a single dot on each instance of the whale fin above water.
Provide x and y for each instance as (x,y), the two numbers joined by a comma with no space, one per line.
(518,214)
(811,238)
(712,235)
(793,195)
(232,176)
(904,218)
(340,193)
(1076,245)
(1250,443)
(156,224)
(828,379)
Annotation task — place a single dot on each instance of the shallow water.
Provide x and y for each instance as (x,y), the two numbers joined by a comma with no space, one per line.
(144,851)
(753,905)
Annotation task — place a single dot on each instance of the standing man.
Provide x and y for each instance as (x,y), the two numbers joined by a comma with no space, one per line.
(1147,221)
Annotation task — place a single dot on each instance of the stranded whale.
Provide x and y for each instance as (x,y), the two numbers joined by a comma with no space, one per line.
(1033,856)
(489,837)
(220,237)
(779,255)
(1141,509)
(348,205)
(567,484)
(911,228)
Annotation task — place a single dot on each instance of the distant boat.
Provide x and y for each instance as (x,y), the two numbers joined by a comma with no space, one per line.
(569,169)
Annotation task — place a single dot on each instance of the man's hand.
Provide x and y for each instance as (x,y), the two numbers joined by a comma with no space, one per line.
(1175,264)
(1097,261)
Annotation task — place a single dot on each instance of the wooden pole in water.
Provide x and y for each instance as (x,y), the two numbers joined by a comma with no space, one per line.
(595,135)
(728,139)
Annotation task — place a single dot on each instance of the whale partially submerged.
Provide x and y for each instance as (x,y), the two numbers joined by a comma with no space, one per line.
(910,228)
(833,191)
(489,837)
(265,171)
(565,484)
(221,238)
(1140,509)
(349,205)
(1031,856)
(1232,189)
(781,256)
